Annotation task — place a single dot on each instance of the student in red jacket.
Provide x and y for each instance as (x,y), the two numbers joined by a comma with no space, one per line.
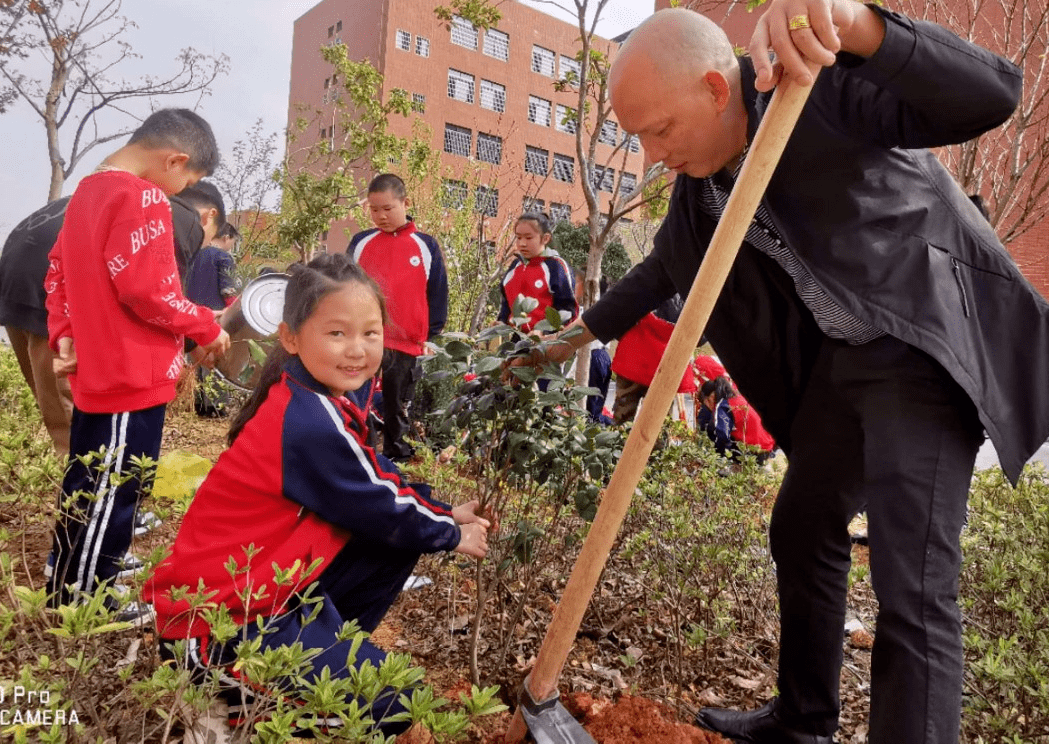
(538,272)
(747,428)
(299,484)
(409,269)
(113,288)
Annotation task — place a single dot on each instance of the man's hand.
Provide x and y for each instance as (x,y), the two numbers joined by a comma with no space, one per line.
(807,34)
(473,540)
(64,363)
(215,349)
(467,514)
(556,349)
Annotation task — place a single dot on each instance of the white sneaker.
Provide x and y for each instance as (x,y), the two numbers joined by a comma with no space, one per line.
(130,566)
(146,522)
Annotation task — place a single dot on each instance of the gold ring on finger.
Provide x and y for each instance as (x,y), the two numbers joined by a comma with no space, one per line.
(798,22)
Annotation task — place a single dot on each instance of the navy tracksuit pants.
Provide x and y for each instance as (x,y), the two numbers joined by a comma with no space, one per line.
(101,491)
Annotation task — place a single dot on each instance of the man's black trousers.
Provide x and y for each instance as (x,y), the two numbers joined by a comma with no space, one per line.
(881,427)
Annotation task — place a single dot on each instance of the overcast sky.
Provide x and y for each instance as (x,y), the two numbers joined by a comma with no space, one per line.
(254,34)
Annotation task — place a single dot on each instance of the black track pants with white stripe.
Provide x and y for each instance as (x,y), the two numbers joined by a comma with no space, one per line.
(100,493)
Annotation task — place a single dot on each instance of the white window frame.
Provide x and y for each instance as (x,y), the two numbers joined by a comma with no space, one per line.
(493,143)
(455,193)
(403,40)
(560,212)
(567,119)
(419,103)
(539,110)
(486,201)
(497,44)
(460,78)
(464,33)
(572,65)
(632,143)
(458,140)
(543,60)
(567,168)
(493,96)
(627,182)
(609,134)
(533,156)
(422,46)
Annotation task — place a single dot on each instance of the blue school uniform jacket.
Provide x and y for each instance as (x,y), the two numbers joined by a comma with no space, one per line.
(296,485)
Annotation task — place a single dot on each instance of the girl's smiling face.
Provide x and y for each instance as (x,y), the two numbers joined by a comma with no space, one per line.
(341,342)
(531,241)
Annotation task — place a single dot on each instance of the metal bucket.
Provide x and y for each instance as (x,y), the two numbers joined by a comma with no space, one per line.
(254,316)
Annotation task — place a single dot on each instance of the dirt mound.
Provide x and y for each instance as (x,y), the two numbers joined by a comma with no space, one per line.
(634,719)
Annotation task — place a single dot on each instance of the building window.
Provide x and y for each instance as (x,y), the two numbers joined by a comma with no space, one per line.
(497,44)
(327,82)
(460,86)
(560,212)
(537,160)
(542,61)
(457,140)
(632,143)
(331,31)
(493,96)
(489,148)
(454,194)
(609,132)
(487,201)
(464,33)
(567,119)
(338,28)
(404,40)
(422,46)
(564,168)
(570,69)
(539,111)
(531,204)
(627,182)
(604,178)
(418,103)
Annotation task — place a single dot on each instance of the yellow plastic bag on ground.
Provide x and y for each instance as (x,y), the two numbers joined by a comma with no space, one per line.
(179,475)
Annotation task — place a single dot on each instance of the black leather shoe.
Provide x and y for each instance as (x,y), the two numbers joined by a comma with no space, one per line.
(755,727)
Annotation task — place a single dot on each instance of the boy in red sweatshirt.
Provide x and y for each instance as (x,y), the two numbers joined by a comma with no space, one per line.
(113,289)
(409,269)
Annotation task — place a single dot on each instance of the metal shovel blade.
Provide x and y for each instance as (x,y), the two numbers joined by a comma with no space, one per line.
(549,722)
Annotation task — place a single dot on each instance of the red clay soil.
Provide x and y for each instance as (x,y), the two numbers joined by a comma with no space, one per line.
(634,719)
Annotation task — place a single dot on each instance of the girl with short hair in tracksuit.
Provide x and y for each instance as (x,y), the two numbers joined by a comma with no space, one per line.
(299,484)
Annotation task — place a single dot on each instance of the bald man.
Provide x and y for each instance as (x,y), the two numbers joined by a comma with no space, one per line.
(872,318)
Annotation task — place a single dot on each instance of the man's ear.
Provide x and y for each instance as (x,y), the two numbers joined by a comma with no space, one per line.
(207,216)
(287,338)
(176,159)
(719,88)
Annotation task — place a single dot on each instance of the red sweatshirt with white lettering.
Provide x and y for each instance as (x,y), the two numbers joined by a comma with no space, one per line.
(113,287)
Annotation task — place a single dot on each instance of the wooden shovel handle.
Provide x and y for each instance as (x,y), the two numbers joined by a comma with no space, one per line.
(772,135)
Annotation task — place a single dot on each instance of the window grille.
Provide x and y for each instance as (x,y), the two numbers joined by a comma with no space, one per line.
(539,111)
(404,40)
(493,96)
(460,86)
(567,119)
(604,178)
(632,142)
(487,201)
(418,103)
(497,44)
(422,46)
(542,61)
(457,140)
(564,168)
(464,33)
(331,31)
(338,27)
(609,130)
(570,68)
(560,212)
(531,204)
(537,160)
(627,182)
(455,193)
(489,148)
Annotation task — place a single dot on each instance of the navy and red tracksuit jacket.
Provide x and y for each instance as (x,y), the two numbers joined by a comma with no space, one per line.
(297,484)
(747,423)
(547,278)
(409,269)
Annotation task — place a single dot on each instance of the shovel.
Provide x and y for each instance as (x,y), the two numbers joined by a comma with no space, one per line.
(540,711)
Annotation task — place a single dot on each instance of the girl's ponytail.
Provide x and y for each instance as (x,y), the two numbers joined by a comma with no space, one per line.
(272,369)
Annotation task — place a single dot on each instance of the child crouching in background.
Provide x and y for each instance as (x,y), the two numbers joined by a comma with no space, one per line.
(300,485)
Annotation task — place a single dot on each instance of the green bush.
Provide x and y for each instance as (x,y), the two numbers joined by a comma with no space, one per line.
(1005,603)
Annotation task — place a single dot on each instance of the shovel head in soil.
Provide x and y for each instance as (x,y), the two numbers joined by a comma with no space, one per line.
(549,722)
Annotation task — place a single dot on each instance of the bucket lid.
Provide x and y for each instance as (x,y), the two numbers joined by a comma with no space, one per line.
(262,302)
